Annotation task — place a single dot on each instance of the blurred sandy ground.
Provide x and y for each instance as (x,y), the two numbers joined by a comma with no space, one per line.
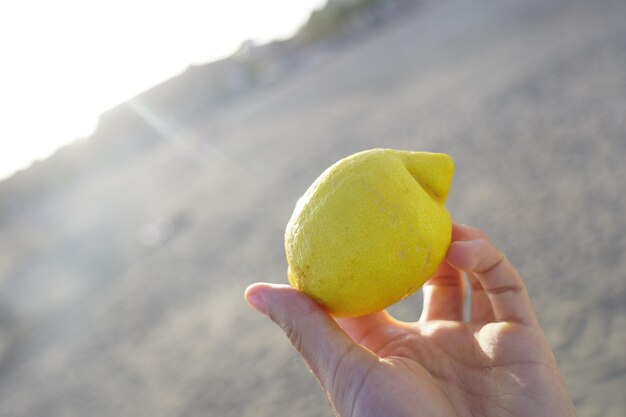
(122,295)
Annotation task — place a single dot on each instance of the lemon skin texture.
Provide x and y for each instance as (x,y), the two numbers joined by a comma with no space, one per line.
(370,230)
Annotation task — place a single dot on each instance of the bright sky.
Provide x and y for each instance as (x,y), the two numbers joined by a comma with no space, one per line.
(64,62)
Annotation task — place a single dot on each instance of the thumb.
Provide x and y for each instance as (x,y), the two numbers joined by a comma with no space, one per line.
(335,359)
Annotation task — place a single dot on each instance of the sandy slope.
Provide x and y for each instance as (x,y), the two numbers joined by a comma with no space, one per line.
(529,98)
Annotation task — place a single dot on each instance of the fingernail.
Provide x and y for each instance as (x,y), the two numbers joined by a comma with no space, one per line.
(257,302)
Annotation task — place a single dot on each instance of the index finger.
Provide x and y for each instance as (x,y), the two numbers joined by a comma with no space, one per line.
(500,280)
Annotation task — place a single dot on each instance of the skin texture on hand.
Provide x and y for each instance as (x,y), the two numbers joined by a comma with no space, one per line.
(498,363)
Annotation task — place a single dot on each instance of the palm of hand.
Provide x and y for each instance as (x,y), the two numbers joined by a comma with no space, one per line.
(452,368)
(497,364)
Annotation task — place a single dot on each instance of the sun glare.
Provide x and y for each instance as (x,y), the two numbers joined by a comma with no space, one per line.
(66,62)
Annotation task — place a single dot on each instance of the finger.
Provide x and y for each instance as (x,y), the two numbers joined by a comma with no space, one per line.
(465,232)
(444,295)
(369,330)
(499,279)
(331,354)
(480,306)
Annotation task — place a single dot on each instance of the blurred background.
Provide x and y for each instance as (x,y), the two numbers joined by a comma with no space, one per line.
(172,143)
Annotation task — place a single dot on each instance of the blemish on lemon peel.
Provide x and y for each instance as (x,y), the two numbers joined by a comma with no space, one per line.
(350,240)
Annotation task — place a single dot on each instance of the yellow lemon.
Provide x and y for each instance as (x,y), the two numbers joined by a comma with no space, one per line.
(370,230)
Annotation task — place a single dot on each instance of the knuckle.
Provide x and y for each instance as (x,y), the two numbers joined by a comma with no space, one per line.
(497,261)
(293,335)
(511,289)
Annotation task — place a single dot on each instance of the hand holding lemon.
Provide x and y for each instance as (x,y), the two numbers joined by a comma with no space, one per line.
(369,232)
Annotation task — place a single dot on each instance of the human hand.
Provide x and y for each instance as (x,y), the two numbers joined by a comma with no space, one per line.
(498,363)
